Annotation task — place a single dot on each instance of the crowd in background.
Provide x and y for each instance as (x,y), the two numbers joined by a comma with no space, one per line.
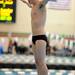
(57,46)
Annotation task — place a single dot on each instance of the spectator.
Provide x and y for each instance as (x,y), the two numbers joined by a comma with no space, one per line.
(1,49)
(10,46)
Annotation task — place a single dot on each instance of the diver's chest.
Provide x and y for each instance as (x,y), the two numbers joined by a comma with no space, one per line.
(38,13)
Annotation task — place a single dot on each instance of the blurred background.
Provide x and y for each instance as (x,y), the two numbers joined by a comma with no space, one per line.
(16,56)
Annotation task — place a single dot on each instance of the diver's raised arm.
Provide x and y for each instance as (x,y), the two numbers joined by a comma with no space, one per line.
(29,5)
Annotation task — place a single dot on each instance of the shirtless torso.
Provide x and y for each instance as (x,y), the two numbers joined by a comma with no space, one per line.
(38,18)
(38,15)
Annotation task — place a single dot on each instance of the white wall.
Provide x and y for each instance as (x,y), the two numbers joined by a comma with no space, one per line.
(57,21)
(61,21)
(22,20)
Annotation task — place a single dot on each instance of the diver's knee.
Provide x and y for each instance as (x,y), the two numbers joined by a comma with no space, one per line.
(39,62)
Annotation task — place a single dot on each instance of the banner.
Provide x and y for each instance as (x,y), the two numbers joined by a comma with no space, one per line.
(7,11)
(59,4)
